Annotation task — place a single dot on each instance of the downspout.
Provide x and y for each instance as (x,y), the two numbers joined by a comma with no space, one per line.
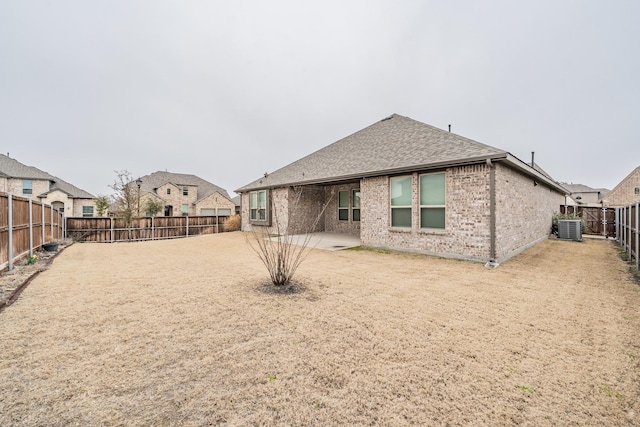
(492,214)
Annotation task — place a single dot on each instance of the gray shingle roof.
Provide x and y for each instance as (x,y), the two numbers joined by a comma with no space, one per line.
(394,144)
(11,168)
(157,179)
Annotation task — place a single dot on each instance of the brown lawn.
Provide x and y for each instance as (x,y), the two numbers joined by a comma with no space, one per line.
(176,333)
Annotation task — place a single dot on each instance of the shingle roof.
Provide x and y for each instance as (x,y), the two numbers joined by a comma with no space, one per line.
(395,143)
(157,179)
(11,168)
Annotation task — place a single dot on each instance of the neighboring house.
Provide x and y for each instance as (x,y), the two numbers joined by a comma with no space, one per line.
(402,184)
(183,194)
(237,201)
(30,182)
(626,192)
(583,195)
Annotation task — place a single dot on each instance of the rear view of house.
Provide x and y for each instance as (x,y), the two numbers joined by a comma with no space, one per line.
(402,184)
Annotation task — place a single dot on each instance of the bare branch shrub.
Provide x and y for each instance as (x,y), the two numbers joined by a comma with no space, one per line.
(283,252)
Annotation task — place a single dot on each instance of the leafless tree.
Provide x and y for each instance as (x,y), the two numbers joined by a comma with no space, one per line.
(283,252)
(126,196)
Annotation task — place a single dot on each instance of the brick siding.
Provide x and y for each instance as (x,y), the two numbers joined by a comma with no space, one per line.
(624,193)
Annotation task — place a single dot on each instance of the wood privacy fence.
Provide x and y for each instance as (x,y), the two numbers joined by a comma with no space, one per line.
(627,221)
(597,220)
(109,230)
(24,226)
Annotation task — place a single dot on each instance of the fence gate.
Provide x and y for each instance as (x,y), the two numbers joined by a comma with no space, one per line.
(598,220)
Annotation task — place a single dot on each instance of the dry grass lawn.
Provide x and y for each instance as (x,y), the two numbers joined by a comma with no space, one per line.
(177,333)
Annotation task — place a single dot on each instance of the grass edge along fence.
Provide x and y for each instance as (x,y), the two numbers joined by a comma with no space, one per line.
(25,225)
(627,234)
(111,230)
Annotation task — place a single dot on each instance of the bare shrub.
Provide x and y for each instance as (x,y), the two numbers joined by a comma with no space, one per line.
(232,223)
(283,252)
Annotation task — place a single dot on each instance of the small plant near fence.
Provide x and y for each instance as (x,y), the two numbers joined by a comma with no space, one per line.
(32,259)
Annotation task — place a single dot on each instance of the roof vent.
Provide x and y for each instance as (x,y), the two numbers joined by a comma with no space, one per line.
(387,118)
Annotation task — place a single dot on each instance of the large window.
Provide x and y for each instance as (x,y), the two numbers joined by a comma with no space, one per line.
(27,186)
(87,211)
(355,211)
(400,189)
(343,205)
(637,190)
(432,200)
(258,205)
(185,209)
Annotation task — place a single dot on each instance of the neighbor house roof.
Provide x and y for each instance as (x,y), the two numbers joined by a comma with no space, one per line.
(396,144)
(157,179)
(11,168)
(581,188)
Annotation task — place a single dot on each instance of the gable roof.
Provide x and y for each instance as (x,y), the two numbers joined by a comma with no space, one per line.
(11,168)
(395,144)
(151,182)
(581,188)
(617,195)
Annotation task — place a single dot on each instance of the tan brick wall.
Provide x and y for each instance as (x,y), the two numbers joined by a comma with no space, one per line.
(466,233)
(523,211)
(624,193)
(305,209)
(14,186)
(331,222)
(176,199)
(79,203)
(215,201)
(279,212)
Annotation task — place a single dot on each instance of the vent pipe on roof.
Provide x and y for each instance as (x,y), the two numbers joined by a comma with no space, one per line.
(533,153)
(449,128)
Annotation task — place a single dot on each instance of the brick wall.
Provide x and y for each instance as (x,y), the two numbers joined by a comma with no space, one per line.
(279,212)
(466,233)
(14,186)
(215,201)
(331,222)
(305,209)
(176,199)
(624,193)
(523,211)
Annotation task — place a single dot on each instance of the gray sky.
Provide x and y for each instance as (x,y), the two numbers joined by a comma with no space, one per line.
(230,90)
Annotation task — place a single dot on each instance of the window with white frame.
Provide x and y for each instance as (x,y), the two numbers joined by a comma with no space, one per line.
(400,194)
(87,211)
(224,212)
(343,205)
(355,202)
(432,200)
(168,191)
(258,207)
(637,190)
(27,186)
(185,191)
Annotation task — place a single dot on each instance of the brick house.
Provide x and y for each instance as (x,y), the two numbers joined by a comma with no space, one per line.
(583,195)
(626,192)
(32,183)
(404,185)
(183,194)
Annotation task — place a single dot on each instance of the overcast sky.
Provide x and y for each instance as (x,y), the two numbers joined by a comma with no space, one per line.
(230,90)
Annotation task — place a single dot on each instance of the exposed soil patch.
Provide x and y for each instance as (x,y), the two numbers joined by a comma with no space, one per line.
(174,333)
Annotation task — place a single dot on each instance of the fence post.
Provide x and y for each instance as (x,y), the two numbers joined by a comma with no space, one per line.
(111,229)
(10,230)
(187,235)
(637,235)
(152,227)
(43,228)
(30,228)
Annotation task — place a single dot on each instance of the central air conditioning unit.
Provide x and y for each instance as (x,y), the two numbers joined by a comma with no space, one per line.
(570,229)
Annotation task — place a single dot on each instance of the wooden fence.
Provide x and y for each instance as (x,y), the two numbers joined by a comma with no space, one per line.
(627,221)
(597,220)
(24,226)
(109,230)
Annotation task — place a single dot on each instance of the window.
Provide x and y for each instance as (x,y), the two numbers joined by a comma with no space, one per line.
(355,211)
(637,190)
(578,196)
(400,189)
(224,212)
(185,209)
(258,205)
(87,211)
(343,205)
(432,200)
(168,191)
(185,191)
(27,186)
(58,206)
